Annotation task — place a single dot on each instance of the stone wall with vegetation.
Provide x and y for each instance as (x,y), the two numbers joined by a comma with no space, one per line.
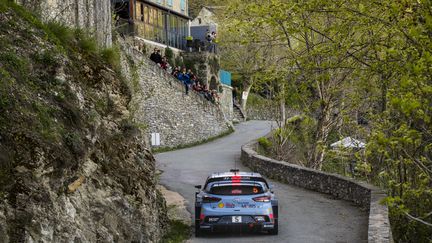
(226,101)
(91,15)
(162,105)
(362,194)
(259,108)
(74,167)
(206,65)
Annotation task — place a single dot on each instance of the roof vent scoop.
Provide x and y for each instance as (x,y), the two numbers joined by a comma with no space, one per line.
(234,170)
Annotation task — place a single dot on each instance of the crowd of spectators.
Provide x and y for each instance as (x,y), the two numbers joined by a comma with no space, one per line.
(186,76)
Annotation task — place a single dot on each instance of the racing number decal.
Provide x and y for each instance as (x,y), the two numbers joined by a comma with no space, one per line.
(236,219)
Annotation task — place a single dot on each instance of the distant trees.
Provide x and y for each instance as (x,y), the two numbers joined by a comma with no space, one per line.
(359,68)
(196,5)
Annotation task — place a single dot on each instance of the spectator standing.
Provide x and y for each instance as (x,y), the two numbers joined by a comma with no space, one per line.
(212,42)
(208,36)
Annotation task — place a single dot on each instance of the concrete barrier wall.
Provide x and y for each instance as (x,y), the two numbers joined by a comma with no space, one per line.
(362,194)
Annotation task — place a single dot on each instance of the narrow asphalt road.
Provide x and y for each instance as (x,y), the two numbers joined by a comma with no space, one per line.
(304,216)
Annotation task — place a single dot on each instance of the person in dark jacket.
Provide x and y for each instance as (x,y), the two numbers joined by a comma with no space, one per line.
(156,56)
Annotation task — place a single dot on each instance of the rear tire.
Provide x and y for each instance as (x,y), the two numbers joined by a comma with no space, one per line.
(197,221)
(197,229)
(275,230)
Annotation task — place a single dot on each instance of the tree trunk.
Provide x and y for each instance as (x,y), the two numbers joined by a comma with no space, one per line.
(321,134)
(247,86)
(282,104)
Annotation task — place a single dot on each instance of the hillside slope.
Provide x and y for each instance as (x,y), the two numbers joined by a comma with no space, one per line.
(72,165)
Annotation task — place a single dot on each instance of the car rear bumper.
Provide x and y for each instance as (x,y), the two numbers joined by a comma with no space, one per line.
(248,224)
(253,227)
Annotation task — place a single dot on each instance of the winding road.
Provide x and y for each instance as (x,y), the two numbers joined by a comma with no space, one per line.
(304,216)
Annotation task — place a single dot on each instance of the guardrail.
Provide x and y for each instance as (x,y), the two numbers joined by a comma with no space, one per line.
(362,194)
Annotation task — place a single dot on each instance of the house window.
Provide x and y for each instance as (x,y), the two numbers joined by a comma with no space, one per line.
(199,21)
(142,12)
(170,3)
(182,5)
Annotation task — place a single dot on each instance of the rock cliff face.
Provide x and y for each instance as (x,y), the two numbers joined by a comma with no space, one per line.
(73,167)
(92,15)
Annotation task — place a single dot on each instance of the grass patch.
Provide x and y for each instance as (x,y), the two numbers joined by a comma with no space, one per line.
(178,232)
(86,43)
(112,57)
(63,33)
(265,143)
(256,100)
(182,146)
(46,58)
(16,65)
(3,6)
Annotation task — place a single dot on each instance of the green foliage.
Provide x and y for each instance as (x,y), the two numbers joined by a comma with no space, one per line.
(190,63)
(46,58)
(18,66)
(340,60)
(86,43)
(178,232)
(264,143)
(196,5)
(179,62)
(63,33)
(3,6)
(255,100)
(112,57)
(169,55)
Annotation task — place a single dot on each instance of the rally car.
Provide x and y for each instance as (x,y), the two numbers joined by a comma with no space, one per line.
(235,200)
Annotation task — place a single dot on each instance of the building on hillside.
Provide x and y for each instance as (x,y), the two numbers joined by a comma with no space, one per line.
(204,21)
(156,21)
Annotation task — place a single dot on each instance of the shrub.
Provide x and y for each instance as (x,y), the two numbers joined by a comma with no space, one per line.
(264,143)
(169,55)
(15,65)
(112,57)
(85,42)
(63,33)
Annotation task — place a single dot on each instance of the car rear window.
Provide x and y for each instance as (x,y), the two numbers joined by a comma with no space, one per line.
(236,190)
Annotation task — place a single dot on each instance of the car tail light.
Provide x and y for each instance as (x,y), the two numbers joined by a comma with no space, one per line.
(271,217)
(262,199)
(207,199)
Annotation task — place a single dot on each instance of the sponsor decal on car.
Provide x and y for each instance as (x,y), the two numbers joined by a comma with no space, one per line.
(230,205)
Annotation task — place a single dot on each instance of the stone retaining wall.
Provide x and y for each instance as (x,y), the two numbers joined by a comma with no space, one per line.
(226,102)
(160,102)
(268,113)
(362,194)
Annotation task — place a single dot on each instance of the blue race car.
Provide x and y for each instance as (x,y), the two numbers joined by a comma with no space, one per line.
(235,200)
